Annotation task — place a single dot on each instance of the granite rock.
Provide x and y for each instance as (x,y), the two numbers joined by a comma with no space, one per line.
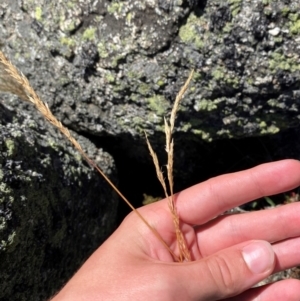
(114,67)
(54,209)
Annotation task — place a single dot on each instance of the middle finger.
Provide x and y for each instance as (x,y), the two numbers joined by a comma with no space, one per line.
(272,225)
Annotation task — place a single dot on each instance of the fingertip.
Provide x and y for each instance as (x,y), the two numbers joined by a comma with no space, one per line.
(259,257)
(289,165)
(285,174)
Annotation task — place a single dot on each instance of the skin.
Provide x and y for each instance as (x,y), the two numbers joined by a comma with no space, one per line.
(230,253)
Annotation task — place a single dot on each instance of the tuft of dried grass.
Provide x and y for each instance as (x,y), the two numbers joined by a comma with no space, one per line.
(184,254)
(13,81)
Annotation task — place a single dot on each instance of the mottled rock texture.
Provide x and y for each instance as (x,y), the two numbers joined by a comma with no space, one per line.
(114,67)
(54,211)
(111,70)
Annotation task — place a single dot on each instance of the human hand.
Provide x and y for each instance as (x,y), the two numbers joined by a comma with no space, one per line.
(230,253)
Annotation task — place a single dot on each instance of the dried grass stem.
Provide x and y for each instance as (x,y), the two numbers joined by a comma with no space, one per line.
(184,254)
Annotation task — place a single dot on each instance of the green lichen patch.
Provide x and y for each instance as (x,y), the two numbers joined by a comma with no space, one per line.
(115,7)
(221,74)
(89,34)
(189,34)
(206,136)
(158,104)
(271,129)
(144,89)
(205,105)
(235,6)
(103,52)
(293,17)
(279,61)
(11,148)
(38,13)
(109,76)
(285,10)
(228,27)
(68,41)
(295,27)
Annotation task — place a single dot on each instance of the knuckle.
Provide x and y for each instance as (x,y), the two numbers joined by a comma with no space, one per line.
(223,275)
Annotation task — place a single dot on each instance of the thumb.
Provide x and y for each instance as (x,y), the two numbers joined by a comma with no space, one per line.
(228,272)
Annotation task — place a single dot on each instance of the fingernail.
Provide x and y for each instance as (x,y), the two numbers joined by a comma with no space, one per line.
(259,256)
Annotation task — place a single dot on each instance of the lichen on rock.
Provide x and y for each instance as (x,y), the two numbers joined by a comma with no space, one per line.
(54,211)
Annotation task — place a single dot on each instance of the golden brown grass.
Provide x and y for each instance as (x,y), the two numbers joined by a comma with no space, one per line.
(184,254)
(12,81)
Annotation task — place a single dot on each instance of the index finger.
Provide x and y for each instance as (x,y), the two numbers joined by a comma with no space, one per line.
(202,202)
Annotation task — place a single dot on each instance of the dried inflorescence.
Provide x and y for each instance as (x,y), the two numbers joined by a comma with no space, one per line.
(184,254)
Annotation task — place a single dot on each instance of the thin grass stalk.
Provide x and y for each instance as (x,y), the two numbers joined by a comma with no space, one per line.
(169,127)
(184,254)
(159,173)
(11,80)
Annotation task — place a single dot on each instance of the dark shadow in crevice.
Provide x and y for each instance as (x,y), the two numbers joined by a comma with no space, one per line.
(195,160)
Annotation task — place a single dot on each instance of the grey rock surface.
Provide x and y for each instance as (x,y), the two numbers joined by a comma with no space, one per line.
(114,67)
(54,209)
